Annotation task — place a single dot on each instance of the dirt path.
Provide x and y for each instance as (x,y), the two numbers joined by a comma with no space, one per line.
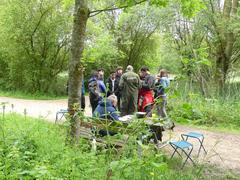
(223,148)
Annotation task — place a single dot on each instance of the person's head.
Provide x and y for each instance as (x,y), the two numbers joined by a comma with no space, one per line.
(94,74)
(144,71)
(112,75)
(100,73)
(163,73)
(119,70)
(129,68)
(113,100)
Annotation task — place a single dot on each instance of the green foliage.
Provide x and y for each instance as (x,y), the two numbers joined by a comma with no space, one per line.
(191,8)
(136,38)
(36,35)
(129,37)
(190,107)
(33,149)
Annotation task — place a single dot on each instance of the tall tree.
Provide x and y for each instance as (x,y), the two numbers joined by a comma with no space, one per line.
(35,40)
(227,39)
(81,15)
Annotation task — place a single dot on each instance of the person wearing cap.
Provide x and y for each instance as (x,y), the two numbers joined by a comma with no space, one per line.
(129,85)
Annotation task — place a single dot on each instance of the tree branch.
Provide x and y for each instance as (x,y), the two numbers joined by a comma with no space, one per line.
(96,12)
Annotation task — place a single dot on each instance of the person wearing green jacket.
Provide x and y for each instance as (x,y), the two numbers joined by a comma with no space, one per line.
(129,85)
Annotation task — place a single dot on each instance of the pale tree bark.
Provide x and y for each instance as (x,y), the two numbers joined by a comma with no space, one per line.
(81,15)
(225,49)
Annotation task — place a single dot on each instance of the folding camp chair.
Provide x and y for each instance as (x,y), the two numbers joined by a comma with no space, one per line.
(62,112)
(198,136)
(186,148)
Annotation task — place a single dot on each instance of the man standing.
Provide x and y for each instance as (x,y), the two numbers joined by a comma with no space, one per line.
(146,98)
(112,84)
(129,84)
(119,72)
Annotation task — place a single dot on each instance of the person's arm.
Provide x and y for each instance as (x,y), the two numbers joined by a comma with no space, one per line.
(83,89)
(93,89)
(145,84)
(152,82)
(148,83)
(121,83)
(114,115)
(139,82)
(102,87)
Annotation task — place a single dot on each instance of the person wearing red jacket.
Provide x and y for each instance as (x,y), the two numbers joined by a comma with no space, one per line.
(146,95)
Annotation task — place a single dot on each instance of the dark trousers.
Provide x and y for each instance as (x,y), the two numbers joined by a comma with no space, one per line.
(129,104)
(119,102)
(83,103)
(94,103)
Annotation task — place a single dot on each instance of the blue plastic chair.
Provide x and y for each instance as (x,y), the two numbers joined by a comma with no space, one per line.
(198,136)
(186,148)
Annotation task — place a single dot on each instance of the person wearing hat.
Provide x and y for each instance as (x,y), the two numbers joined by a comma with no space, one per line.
(129,85)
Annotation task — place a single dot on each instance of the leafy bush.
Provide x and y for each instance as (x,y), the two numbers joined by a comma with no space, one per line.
(34,149)
(209,112)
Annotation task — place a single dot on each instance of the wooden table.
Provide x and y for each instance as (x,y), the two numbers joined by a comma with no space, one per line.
(154,126)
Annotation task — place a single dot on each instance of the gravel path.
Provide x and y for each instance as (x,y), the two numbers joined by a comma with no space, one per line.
(223,148)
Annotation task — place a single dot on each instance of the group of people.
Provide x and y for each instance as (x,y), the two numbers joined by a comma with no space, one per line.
(128,92)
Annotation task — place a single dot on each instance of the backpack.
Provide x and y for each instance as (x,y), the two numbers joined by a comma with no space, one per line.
(162,84)
(93,88)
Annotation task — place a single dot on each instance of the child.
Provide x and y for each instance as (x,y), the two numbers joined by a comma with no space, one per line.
(162,83)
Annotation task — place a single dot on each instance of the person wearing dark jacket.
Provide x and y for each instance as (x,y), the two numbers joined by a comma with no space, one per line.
(129,85)
(119,72)
(94,91)
(146,96)
(112,85)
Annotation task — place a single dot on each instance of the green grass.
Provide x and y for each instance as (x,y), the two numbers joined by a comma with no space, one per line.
(213,114)
(21,95)
(34,149)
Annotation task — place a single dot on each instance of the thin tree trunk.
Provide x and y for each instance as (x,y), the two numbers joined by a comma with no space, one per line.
(81,15)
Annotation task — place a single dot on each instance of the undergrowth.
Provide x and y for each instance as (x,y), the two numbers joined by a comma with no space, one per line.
(34,149)
(206,112)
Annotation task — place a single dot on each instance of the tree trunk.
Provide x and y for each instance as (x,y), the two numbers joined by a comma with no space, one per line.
(81,15)
(226,46)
